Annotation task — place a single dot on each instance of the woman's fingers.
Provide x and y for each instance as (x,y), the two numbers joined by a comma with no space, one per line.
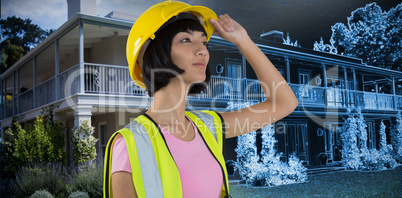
(226,22)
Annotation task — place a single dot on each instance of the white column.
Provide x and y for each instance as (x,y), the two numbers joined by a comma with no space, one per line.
(81,57)
(81,113)
(287,69)
(393,92)
(34,82)
(56,69)
(324,79)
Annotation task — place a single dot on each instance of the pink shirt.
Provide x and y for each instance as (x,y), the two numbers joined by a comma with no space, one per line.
(200,173)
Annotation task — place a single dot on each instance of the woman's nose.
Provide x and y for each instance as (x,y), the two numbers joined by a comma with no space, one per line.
(201,50)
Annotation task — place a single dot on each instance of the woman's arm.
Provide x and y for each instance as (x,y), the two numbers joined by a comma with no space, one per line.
(122,185)
(281,100)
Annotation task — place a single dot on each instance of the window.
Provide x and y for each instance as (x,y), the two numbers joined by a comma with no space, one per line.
(335,82)
(102,138)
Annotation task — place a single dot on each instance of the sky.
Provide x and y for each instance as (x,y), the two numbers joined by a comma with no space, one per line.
(304,20)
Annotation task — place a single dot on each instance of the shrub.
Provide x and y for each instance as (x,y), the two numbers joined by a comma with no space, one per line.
(270,170)
(350,151)
(79,194)
(89,180)
(84,151)
(30,178)
(41,194)
(41,142)
(396,138)
(364,158)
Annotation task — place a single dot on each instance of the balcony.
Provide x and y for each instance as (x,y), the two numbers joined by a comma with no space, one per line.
(116,81)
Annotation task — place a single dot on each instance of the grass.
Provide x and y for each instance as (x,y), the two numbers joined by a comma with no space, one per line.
(337,184)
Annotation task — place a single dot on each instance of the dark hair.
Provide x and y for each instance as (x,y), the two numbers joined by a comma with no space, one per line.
(157,58)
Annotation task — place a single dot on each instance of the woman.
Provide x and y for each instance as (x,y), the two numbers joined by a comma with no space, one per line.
(168,151)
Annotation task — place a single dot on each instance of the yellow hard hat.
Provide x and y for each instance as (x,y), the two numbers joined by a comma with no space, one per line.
(151,21)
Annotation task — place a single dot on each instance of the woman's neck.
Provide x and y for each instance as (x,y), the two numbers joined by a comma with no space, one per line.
(169,103)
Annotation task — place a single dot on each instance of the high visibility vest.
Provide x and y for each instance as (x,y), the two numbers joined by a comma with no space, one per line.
(154,170)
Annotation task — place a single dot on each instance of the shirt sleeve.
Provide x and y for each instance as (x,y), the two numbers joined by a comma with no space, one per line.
(120,159)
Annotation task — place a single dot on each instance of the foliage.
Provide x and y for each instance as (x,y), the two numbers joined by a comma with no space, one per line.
(322,47)
(247,157)
(372,35)
(27,145)
(89,180)
(55,131)
(59,181)
(269,170)
(41,142)
(84,151)
(279,172)
(41,194)
(350,151)
(356,155)
(49,176)
(361,131)
(16,33)
(396,137)
(383,137)
(78,194)
(10,54)
(287,41)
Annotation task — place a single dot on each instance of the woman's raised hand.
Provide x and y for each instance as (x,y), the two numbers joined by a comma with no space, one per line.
(229,29)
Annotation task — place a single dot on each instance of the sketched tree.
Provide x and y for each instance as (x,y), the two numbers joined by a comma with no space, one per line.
(372,35)
(396,137)
(270,170)
(362,131)
(350,151)
(246,149)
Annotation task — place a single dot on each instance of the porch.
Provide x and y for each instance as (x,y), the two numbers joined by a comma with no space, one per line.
(100,80)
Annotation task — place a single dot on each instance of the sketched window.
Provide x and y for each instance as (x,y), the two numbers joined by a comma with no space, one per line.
(304,78)
(234,68)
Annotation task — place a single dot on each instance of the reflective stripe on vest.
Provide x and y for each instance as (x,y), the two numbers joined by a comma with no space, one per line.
(154,156)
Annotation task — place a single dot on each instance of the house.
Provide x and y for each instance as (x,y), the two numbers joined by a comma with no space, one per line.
(82,68)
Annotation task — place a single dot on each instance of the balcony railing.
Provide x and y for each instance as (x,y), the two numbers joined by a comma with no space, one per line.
(116,80)
(106,79)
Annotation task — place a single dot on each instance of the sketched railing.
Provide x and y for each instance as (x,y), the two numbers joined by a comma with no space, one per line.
(222,88)
(367,100)
(310,95)
(253,90)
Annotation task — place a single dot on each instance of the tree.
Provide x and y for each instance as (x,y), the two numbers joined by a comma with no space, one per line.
(371,35)
(396,137)
(9,55)
(16,33)
(349,134)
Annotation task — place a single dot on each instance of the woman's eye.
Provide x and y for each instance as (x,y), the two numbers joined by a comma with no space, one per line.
(205,43)
(185,40)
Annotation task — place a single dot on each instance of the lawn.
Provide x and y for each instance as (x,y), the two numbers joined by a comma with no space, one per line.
(337,184)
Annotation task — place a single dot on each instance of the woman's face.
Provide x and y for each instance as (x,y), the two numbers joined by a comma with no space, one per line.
(189,52)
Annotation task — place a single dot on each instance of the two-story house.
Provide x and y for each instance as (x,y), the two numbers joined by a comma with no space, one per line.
(82,67)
